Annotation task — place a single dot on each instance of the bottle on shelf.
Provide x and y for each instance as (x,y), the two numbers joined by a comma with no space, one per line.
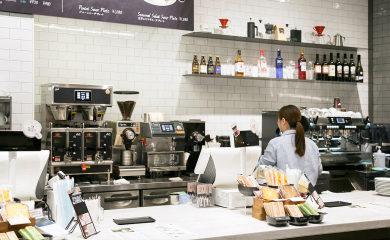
(239,65)
(318,68)
(279,65)
(359,71)
(325,69)
(332,69)
(217,67)
(345,69)
(262,65)
(203,66)
(210,66)
(195,65)
(352,70)
(302,67)
(339,69)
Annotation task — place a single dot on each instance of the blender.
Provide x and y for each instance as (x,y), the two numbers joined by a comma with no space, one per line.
(126,136)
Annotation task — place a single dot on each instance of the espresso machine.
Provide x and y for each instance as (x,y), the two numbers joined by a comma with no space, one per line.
(126,137)
(192,142)
(158,148)
(73,128)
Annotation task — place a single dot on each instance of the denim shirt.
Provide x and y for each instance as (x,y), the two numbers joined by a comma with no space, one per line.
(281,151)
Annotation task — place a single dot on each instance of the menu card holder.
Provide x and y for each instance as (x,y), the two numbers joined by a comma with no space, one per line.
(84,219)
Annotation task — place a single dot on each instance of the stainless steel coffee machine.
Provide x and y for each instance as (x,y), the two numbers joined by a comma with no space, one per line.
(72,116)
(158,149)
(126,137)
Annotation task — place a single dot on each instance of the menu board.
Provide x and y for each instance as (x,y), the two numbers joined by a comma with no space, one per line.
(176,14)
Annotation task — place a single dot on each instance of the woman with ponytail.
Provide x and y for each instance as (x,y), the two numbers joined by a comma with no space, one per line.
(292,147)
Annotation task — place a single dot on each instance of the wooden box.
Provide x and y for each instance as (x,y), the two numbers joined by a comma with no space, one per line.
(6,227)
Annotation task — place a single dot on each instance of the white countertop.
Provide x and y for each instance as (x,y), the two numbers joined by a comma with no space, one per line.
(217,223)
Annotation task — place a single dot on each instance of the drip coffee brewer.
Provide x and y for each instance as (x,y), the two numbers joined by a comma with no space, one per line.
(269,32)
(224,29)
(319,38)
(126,136)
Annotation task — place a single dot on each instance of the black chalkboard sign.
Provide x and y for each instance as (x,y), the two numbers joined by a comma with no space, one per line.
(176,14)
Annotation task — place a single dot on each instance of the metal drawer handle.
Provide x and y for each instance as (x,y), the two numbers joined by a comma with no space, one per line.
(117,199)
(371,181)
(156,196)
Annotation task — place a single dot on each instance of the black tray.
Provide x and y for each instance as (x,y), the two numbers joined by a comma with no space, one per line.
(248,191)
(316,218)
(299,221)
(123,221)
(278,221)
(337,204)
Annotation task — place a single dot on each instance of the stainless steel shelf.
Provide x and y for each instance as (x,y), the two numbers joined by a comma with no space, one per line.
(268,79)
(268,41)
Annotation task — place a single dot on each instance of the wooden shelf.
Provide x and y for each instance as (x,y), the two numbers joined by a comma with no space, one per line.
(268,41)
(268,79)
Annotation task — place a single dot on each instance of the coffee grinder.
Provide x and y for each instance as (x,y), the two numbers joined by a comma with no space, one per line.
(126,136)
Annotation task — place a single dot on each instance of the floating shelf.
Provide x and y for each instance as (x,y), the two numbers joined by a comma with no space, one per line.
(268,41)
(263,78)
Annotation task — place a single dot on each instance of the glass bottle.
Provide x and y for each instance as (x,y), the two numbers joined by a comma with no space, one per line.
(332,69)
(325,69)
(203,66)
(318,68)
(345,69)
(217,68)
(195,65)
(262,65)
(302,67)
(359,71)
(352,70)
(239,65)
(339,69)
(279,65)
(210,66)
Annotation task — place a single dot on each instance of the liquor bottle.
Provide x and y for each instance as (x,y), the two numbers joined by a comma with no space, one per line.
(262,65)
(339,69)
(359,71)
(332,69)
(195,65)
(352,70)
(210,66)
(345,69)
(203,66)
(325,69)
(239,65)
(279,65)
(318,68)
(217,67)
(302,67)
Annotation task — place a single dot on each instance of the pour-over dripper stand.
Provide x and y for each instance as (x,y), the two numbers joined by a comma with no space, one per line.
(126,101)
(319,30)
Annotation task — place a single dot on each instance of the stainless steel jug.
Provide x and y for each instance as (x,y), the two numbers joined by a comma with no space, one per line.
(338,40)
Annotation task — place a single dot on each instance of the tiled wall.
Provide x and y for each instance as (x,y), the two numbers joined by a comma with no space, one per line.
(381,63)
(153,60)
(16,64)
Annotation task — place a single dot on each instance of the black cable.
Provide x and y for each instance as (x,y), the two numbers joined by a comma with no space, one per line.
(46,206)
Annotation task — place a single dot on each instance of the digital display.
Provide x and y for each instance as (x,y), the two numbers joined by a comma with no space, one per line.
(83,95)
(167,128)
(127,124)
(340,120)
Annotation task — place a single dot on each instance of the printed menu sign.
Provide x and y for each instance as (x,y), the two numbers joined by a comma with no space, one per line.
(176,14)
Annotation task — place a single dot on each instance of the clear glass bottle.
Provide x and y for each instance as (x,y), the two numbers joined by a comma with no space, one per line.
(279,65)
(239,68)
(262,65)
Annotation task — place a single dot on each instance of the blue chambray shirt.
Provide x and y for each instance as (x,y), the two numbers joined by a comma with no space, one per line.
(281,151)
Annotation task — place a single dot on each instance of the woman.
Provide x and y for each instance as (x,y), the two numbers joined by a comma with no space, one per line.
(292,147)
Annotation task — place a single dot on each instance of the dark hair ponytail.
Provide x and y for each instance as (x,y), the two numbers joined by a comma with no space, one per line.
(293,117)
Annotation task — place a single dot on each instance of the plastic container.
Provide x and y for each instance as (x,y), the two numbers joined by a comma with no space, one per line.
(299,221)
(380,158)
(278,221)
(248,191)
(315,218)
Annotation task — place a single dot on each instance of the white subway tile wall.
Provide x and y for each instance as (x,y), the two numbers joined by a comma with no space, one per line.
(381,53)
(16,64)
(153,60)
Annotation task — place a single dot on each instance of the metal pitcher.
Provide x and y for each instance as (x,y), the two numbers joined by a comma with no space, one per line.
(338,40)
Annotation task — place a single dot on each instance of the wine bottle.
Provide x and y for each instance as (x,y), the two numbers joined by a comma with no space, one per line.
(339,69)
(332,69)
(359,71)
(239,65)
(345,69)
(325,69)
(318,68)
(279,65)
(302,67)
(352,70)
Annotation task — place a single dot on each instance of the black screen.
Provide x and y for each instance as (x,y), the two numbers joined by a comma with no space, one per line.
(82,95)
(167,128)
(16,141)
